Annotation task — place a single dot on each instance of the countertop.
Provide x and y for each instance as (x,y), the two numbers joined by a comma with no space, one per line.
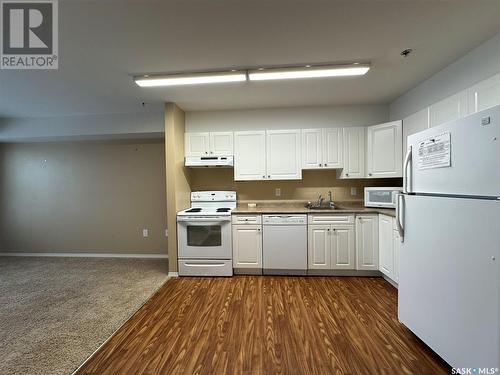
(297,207)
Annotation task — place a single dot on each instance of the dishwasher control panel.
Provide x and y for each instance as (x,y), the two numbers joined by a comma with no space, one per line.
(284,219)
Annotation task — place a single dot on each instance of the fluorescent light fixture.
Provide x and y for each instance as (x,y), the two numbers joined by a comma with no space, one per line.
(190,79)
(308,72)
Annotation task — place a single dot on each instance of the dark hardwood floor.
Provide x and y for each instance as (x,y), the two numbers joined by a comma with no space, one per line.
(267,325)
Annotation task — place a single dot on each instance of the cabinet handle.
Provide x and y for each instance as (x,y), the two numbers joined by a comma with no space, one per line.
(268,176)
(258,230)
(263,176)
(319,164)
(206,152)
(347,174)
(369,174)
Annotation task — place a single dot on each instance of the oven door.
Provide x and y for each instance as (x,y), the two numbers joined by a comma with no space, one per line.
(201,237)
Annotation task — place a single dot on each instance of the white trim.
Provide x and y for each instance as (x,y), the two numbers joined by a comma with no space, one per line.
(173,274)
(86,255)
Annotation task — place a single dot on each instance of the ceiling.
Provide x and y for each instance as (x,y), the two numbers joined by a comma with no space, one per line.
(103,43)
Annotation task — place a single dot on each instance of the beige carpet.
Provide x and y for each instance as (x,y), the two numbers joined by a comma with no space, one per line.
(55,312)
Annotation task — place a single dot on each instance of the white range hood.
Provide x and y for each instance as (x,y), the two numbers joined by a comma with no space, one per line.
(209,161)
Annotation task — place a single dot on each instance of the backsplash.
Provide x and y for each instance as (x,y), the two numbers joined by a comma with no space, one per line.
(312,184)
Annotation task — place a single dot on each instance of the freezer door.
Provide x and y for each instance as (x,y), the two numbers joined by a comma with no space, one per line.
(449,281)
(474,157)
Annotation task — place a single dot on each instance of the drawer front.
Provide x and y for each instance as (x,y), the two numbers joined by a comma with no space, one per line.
(247,219)
(331,219)
(205,267)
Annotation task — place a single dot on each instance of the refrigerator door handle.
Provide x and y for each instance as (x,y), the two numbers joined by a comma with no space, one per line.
(405,170)
(399,217)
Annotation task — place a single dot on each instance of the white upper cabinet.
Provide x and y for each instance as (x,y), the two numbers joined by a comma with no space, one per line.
(449,109)
(484,94)
(384,150)
(197,144)
(250,155)
(312,148)
(322,148)
(367,242)
(332,148)
(354,153)
(413,124)
(283,154)
(204,144)
(221,143)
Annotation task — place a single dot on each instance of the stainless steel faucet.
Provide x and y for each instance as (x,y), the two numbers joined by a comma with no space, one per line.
(330,199)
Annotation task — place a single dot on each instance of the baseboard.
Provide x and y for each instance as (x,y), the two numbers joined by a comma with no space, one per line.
(86,255)
(390,281)
(173,274)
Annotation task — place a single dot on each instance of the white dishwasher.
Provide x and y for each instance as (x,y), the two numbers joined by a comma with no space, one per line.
(284,246)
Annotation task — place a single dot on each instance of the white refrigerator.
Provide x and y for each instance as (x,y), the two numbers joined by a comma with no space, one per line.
(449,221)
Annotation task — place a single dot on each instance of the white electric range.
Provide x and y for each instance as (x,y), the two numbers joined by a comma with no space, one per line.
(204,234)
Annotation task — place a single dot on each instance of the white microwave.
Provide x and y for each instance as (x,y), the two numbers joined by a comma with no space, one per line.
(381,196)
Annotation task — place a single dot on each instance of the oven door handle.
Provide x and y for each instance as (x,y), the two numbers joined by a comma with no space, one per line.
(203,220)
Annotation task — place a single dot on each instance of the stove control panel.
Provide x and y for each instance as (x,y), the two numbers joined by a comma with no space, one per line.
(213,196)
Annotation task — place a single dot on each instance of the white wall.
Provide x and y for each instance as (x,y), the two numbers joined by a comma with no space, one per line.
(142,125)
(286,118)
(478,64)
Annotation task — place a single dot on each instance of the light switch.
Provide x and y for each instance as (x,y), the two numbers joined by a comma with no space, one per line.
(166,232)
(354,191)
(277,192)
(145,233)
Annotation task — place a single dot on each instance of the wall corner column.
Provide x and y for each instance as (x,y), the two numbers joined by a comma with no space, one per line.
(178,190)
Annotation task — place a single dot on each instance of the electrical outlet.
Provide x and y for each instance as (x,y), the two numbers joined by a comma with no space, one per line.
(354,191)
(277,192)
(166,232)
(145,233)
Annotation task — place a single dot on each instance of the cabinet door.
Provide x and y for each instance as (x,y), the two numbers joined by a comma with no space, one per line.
(413,124)
(196,144)
(385,245)
(247,246)
(343,249)
(384,148)
(367,242)
(332,148)
(396,240)
(449,109)
(283,155)
(312,150)
(250,155)
(221,143)
(354,153)
(484,94)
(319,247)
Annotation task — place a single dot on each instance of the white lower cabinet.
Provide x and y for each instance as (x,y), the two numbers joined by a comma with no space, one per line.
(396,240)
(247,243)
(331,246)
(343,249)
(319,246)
(385,245)
(367,242)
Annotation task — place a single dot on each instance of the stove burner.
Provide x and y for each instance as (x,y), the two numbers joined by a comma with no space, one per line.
(223,209)
(194,210)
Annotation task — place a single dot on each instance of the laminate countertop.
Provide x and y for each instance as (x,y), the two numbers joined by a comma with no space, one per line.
(298,207)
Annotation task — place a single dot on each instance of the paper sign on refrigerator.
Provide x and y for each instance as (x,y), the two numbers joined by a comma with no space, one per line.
(435,152)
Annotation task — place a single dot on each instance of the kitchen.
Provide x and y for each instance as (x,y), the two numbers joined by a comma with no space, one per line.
(267,187)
